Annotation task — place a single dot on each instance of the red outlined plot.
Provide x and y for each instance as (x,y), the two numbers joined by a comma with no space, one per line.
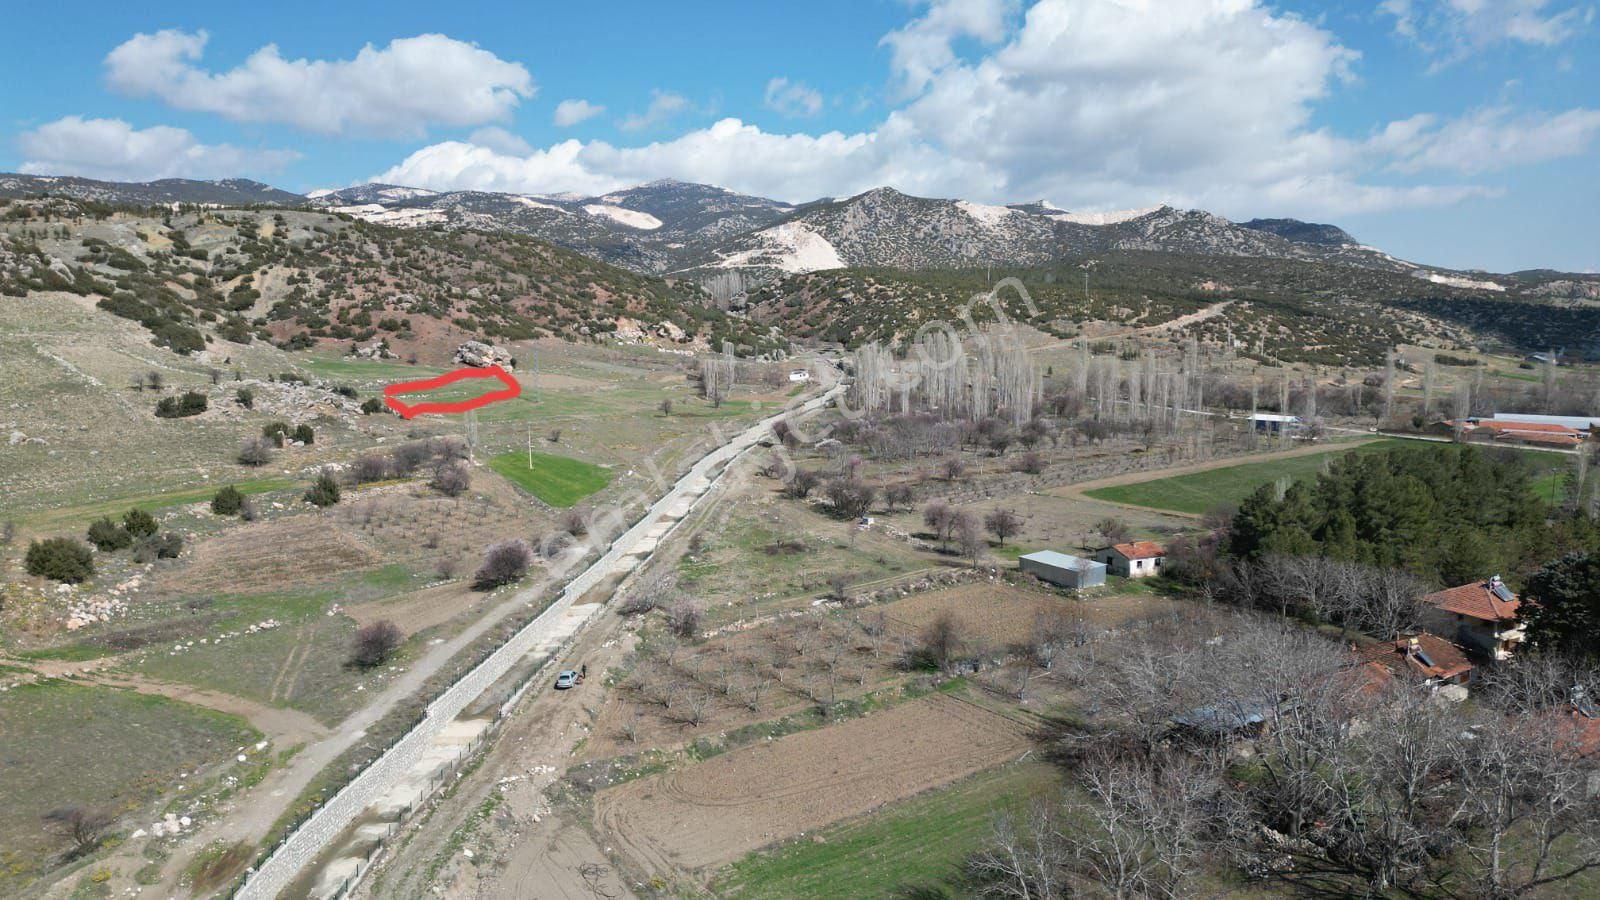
(409,410)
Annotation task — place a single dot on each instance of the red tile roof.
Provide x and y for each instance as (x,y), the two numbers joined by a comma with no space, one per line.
(1530,437)
(1476,600)
(1448,660)
(1140,549)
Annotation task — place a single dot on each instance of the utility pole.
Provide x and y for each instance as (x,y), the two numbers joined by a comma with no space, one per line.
(530,446)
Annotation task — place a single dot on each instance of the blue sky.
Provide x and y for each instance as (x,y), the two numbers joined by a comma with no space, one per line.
(1456,132)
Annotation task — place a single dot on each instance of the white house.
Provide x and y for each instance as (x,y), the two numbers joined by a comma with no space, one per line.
(1134,559)
(800,375)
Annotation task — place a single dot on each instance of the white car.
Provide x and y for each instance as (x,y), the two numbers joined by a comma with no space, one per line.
(566,680)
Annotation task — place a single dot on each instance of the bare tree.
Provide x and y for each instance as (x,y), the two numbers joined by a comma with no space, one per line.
(898,496)
(851,497)
(802,483)
(969,537)
(1003,523)
(940,517)
(952,468)
(683,617)
(374,643)
(451,478)
(255,451)
(1025,859)
(1113,530)
(503,563)
(83,825)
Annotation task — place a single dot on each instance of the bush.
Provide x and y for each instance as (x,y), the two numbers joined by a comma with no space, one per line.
(107,536)
(371,405)
(150,549)
(324,491)
(503,563)
(304,434)
(276,432)
(139,523)
(227,502)
(451,478)
(375,643)
(245,397)
(60,559)
(190,403)
(371,467)
(256,452)
(683,617)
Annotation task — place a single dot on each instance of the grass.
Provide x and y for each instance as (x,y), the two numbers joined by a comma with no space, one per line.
(557,480)
(917,842)
(71,515)
(65,743)
(1201,492)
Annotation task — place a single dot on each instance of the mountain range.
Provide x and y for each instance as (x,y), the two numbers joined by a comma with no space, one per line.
(704,232)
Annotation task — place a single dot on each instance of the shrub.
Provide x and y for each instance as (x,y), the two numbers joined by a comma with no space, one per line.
(139,523)
(503,563)
(324,491)
(107,535)
(256,452)
(451,478)
(227,501)
(150,549)
(304,434)
(683,617)
(245,397)
(83,825)
(371,405)
(60,559)
(189,403)
(374,644)
(371,467)
(1030,463)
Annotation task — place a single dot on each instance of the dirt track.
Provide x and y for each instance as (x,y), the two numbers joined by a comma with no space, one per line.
(714,812)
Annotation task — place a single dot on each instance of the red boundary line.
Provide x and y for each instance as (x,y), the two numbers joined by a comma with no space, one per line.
(409,410)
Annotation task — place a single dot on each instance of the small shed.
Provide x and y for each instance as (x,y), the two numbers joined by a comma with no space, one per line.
(1134,559)
(1274,423)
(1062,569)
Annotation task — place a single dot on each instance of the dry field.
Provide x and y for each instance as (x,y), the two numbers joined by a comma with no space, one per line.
(714,812)
(1002,614)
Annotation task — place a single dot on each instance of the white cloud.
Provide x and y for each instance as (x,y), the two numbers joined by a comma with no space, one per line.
(1492,139)
(113,150)
(924,47)
(1093,104)
(1453,29)
(500,140)
(571,112)
(663,106)
(398,90)
(792,98)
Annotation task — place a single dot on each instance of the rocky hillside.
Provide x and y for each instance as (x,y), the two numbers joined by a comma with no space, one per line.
(1271,309)
(299,278)
(227,192)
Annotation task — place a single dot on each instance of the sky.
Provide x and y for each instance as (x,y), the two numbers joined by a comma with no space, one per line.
(1461,133)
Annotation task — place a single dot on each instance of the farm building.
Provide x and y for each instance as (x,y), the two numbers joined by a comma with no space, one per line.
(1481,616)
(1273,423)
(1571,423)
(1062,569)
(1437,662)
(1133,559)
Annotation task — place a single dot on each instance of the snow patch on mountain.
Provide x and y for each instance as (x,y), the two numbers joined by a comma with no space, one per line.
(623,216)
(987,215)
(319,192)
(792,247)
(1104,218)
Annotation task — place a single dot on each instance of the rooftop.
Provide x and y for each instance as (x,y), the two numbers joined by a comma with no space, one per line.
(1422,654)
(1140,549)
(1059,560)
(1489,600)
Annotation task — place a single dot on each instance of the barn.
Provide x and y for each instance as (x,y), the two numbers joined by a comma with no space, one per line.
(1062,569)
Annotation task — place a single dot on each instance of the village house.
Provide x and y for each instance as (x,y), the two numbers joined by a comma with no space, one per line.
(800,375)
(1133,559)
(1275,423)
(1437,662)
(1481,616)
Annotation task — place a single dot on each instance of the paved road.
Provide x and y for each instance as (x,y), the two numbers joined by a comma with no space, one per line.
(398,764)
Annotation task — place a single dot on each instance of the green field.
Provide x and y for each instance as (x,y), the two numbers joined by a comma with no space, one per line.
(920,842)
(1201,492)
(557,480)
(63,743)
